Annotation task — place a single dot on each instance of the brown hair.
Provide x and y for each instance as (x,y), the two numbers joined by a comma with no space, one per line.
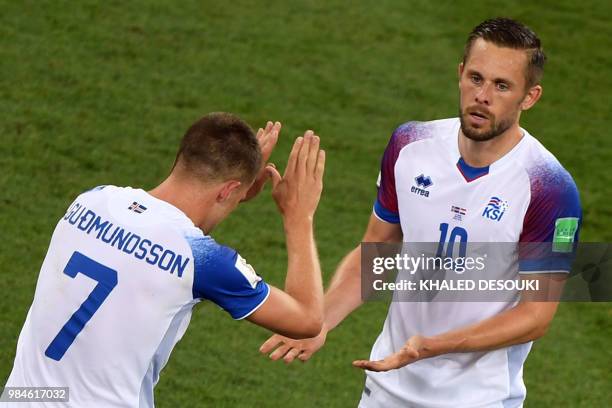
(219,146)
(506,32)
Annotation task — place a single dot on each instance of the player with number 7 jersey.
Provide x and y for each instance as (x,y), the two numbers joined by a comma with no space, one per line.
(125,267)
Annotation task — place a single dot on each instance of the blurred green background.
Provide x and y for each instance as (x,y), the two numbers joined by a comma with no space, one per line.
(101,92)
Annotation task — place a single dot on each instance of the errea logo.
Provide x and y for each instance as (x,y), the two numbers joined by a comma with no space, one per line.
(422,183)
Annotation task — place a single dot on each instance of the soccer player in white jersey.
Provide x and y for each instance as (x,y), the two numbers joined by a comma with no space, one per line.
(125,267)
(509,188)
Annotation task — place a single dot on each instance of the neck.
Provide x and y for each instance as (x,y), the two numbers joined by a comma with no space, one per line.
(193,200)
(482,154)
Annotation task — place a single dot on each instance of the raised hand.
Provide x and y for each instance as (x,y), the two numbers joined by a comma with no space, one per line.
(267,138)
(298,191)
(298,310)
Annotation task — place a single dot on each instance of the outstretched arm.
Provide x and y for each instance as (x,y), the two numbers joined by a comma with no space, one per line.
(342,297)
(527,321)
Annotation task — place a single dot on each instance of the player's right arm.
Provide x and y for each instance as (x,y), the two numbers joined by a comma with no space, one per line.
(344,293)
(342,297)
(222,276)
(298,310)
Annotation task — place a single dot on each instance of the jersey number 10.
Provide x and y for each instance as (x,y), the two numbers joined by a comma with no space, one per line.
(457,232)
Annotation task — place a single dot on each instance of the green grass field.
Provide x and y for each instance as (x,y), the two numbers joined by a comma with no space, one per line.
(101,94)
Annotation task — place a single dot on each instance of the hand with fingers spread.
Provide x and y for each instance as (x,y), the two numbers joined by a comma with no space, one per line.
(413,350)
(298,191)
(288,349)
(267,138)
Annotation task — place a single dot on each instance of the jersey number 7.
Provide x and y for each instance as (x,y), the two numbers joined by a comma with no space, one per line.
(107,280)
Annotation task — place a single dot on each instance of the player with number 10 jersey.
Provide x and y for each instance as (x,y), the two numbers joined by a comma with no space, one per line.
(525,196)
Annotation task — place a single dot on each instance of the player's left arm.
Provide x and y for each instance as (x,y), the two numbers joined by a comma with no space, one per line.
(525,322)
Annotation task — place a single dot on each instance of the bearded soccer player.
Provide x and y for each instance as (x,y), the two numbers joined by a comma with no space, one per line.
(449,354)
(125,267)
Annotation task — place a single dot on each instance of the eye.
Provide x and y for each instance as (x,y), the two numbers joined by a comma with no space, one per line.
(476,78)
(502,86)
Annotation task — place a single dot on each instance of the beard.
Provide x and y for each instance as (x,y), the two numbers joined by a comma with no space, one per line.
(481,135)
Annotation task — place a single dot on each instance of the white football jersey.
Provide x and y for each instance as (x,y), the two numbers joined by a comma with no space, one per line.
(426,187)
(114,296)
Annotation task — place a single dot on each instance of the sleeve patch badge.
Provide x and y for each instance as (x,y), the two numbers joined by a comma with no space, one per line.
(565,233)
(247,271)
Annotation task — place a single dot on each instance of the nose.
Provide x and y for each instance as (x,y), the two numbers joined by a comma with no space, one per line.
(483,95)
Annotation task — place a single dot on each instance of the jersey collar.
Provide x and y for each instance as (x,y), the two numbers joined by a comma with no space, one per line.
(470,173)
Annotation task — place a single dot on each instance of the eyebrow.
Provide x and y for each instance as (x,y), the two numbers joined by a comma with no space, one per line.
(496,80)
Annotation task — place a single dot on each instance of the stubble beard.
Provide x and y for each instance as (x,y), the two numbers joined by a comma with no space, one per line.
(480,135)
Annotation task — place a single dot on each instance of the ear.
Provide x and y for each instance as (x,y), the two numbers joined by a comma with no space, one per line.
(226,189)
(533,95)
(460,69)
